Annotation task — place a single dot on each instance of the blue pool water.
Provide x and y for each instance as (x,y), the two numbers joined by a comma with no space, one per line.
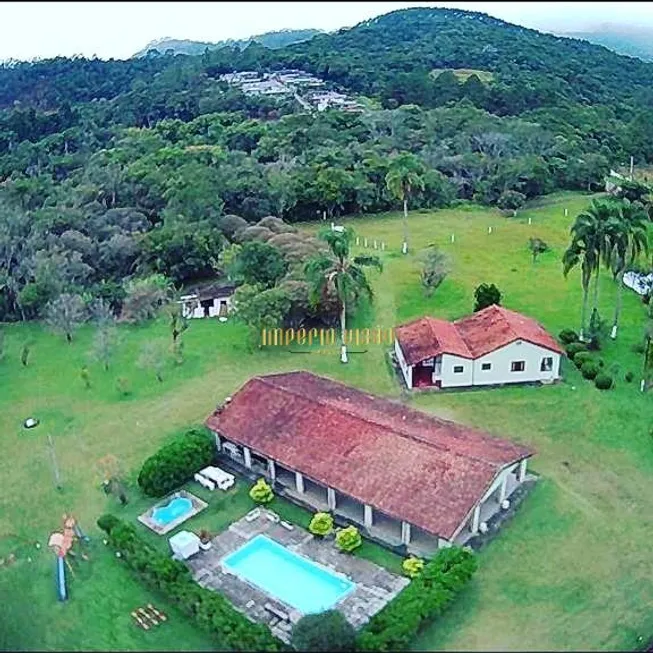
(286,576)
(173,510)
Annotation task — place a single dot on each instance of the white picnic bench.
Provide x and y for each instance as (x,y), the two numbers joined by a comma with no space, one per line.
(217,476)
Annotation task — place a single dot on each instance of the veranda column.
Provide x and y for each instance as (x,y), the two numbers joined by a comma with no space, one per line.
(522,470)
(368,518)
(331,498)
(247,455)
(299,482)
(476,518)
(504,486)
(272,470)
(405,532)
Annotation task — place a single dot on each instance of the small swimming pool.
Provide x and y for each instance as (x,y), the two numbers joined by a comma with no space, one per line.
(175,509)
(286,576)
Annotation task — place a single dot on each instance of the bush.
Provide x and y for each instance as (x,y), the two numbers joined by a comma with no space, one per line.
(581,358)
(412,566)
(327,631)
(394,627)
(629,377)
(209,609)
(603,381)
(589,369)
(348,538)
(321,524)
(175,463)
(567,336)
(573,348)
(107,522)
(261,492)
(485,295)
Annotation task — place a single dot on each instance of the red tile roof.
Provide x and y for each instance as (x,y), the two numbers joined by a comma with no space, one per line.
(472,336)
(496,326)
(428,337)
(408,464)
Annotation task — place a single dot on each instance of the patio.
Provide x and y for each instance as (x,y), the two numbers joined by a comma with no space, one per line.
(375,586)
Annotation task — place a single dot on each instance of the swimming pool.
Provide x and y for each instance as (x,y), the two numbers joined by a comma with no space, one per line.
(175,509)
(286,576)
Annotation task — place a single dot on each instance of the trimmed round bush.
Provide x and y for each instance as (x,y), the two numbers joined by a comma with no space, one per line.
(574,347)
(589,370)
(629,377)
(261,492)
(326,631)
(412,566)
(348,538)
(107,522)
(581,358)
(567,336)
(321,524)
(603,381)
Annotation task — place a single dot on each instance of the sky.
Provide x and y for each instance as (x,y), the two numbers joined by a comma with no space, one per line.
(117,30)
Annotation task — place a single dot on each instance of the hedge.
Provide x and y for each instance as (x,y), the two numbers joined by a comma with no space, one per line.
(567,336)
(210,610)
(394,627)
(603,381)
(589,370)
(582,357)
(175,463)
(574,347)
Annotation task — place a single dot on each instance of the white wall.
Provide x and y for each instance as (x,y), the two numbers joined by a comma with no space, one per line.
(501,360)
(451,379)
(406,370)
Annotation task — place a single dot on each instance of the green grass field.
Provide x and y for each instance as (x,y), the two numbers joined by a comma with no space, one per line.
(573,570)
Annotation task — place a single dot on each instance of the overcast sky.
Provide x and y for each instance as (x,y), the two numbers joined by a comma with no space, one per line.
(119,29)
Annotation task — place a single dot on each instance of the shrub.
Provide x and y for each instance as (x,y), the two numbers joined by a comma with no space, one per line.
(107,522)
(485,295)
(348,538)
(261,492)
(589,369)
(321,524)
(175,463)
(574,347)
(629,377)
(394,627)
(582,357)
(209,609)
(412,566)
(567,336)
(639,348)
(123,386)
(603,381)
(327,631)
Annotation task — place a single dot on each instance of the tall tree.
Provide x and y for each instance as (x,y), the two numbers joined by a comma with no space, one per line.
(628,238)
(339,274)
(66,314)
(405,176)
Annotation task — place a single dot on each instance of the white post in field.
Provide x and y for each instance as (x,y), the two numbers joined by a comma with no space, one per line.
(453,238)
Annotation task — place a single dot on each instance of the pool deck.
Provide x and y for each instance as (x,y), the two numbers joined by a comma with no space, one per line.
(159,529)
(375,586)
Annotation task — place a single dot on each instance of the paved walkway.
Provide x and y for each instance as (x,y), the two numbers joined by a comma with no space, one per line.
(375,586)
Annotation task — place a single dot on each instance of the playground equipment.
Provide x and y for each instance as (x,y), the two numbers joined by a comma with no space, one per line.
(61,543)
(148,616)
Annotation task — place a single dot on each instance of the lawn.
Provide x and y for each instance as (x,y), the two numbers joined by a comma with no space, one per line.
(573,570)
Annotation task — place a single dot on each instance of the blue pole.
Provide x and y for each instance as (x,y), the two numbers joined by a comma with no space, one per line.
(61,579)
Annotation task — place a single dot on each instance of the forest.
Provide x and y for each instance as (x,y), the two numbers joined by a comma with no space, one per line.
(113,171)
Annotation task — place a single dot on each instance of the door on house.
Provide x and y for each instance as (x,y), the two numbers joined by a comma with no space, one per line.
(422,375)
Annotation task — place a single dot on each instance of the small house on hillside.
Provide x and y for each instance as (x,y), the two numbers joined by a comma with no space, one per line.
(494,346)
(212,300)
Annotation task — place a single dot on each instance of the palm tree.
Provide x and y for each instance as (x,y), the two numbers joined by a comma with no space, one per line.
(337,273)
(405,175)
(627,235)
(589,246)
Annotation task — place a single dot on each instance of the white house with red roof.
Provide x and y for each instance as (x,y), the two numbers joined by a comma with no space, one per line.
(494,346)
(406,476)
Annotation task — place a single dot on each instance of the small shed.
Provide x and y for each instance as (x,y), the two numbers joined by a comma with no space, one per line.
(212,300)
(184,544)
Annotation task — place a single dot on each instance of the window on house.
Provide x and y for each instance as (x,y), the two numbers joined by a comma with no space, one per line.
(517,366)
(547,364)
(486,366)
(457,369)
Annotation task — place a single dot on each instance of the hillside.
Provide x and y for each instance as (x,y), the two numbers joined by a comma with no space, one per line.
(621,39)
(278,39)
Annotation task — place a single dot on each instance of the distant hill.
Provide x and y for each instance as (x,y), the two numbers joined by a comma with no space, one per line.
(273,40)
(626,40)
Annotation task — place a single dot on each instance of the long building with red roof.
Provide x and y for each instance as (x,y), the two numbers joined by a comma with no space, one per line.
(405,475)
(494,346)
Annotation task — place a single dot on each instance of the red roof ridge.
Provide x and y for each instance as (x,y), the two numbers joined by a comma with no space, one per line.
(434,419)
